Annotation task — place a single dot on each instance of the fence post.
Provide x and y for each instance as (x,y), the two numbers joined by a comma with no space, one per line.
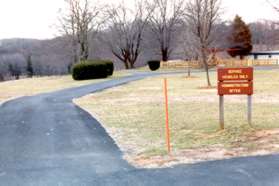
(249,111)
(221,114)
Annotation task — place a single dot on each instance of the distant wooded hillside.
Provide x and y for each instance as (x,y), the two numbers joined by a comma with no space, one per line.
(53,57)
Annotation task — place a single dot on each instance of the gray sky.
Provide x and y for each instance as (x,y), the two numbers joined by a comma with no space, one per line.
(35,18)
(249,10)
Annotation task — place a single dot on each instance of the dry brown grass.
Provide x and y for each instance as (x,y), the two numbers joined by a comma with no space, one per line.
(36,85)
(134,116)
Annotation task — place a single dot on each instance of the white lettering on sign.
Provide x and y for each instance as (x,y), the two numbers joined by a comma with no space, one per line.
(234,85)
(235,71)
(235,91)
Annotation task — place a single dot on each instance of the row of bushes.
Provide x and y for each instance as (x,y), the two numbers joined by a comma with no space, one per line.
(92,69)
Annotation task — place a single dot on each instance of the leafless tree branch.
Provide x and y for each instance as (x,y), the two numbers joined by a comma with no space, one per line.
(78,21)
(201,16)
(126,27)
(165,19)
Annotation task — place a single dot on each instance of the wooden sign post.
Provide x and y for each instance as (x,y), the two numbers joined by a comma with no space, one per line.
(235,81)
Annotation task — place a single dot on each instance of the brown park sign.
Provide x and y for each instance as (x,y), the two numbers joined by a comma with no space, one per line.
(235,74)
(235,81)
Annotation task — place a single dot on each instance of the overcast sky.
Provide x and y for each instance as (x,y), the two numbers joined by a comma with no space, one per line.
(35,18)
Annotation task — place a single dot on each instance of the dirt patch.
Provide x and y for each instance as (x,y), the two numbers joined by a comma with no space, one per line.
(266,142)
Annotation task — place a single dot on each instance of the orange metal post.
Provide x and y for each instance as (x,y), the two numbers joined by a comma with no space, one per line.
(167,116)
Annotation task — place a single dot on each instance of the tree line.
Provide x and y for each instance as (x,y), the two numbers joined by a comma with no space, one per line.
(130,35)
(125,28)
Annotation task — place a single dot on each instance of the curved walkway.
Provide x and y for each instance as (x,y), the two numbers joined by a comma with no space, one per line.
(46,140)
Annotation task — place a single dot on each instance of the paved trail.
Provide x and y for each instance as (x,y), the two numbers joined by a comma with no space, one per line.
(46,140)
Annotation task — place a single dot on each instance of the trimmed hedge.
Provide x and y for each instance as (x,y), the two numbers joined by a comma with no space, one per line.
(110,67)
(154,65)
(92,69)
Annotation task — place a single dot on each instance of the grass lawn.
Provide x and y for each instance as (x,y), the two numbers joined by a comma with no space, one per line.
(36,85)
(134,116)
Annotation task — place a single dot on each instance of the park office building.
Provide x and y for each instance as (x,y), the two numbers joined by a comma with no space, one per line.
(258,55)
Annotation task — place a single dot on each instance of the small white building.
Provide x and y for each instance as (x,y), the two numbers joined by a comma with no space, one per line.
(264,55)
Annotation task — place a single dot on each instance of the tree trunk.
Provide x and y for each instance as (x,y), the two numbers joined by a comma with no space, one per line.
(165,56)
(189,69)
(132,63)
(83,51)
(81,55)
(132,66)
(126,64)
(1,77)
(76,58)
(74,50)
(207,75)
(206,68)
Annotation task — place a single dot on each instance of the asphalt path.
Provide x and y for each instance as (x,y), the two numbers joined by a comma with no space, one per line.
(46,140)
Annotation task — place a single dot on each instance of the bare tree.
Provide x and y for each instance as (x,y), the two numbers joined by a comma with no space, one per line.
(126,28)
(164,23)
(190,51)
(78,22)
(201,16)
(190,45)
(265,35)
